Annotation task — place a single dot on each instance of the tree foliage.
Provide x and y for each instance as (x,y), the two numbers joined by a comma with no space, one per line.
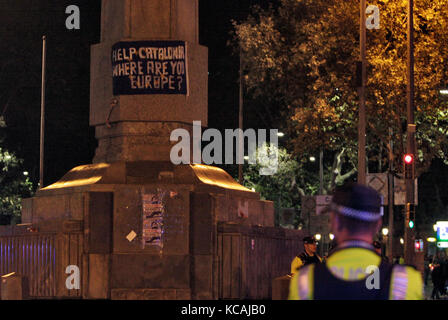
(303,54)
(14,185)
(291,181)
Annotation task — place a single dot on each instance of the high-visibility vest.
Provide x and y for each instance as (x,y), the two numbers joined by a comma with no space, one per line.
(304,259)
(329,287)
(397,282)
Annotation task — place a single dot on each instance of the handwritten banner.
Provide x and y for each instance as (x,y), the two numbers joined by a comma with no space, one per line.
(149,67)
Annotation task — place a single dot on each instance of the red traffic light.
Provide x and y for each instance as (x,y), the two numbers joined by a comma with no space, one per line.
(408,158)
(418,245)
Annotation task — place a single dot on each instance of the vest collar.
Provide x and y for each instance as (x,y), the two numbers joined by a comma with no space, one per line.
(355,244)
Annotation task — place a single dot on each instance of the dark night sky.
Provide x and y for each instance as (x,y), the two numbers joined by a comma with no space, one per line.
(69,139)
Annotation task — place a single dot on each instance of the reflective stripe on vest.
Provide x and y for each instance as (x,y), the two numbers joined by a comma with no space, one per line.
(399,282)
(303,284)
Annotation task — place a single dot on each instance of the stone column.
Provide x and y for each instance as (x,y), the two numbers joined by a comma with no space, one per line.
(137,127)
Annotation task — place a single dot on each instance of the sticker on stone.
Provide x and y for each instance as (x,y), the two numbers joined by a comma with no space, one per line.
(153,212)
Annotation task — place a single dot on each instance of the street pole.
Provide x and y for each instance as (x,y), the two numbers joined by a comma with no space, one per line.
(42,114)
(362,102)
(391,197)
(410,140)
(240,117)
(321,171)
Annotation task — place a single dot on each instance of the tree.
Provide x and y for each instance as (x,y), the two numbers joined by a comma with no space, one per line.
(303,54)
(286,186)
(14,185)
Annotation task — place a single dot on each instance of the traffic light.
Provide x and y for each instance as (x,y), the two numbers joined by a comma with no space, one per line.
(410,214)
(418,245)
(408,160)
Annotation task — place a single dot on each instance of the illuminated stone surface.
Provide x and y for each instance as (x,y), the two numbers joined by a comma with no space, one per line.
(208,218)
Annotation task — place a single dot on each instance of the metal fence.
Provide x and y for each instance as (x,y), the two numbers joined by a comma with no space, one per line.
(42,259)
(249,258)
(33,257)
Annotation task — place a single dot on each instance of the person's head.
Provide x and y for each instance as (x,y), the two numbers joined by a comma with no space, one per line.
(309,243)
(355,213)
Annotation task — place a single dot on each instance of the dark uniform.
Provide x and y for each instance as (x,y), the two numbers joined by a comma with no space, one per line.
(307,259)
(329,287)
(304,258)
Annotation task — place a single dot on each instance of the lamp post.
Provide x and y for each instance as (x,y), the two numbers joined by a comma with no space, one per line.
(391,200)
(240,120)
(410,136)
(318,237)
(361,92)
(42,114)
(385,233)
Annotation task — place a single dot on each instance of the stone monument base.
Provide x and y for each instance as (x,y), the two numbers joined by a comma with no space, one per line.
(135,230)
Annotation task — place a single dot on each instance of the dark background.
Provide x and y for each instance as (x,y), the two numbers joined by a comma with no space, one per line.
(69,141)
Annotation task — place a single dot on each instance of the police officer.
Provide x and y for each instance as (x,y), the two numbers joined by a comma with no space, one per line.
(308,256)
(354,271)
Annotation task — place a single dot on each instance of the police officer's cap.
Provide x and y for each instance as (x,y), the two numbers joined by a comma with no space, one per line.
(358,202)
(309,240)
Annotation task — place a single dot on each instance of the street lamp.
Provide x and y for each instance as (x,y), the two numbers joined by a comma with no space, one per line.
(385,231)
(331,236)
(280,134)
(312,159)
(318,236)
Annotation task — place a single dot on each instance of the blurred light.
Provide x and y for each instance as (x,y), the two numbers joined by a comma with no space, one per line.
(8,157)
(331,236)
(411,224)
(408,158)
(318,236)
(434,227)
(253,189)
(246,158)
(385,231)
(417,245)
(431,239)
(312,159)
(401,240)
(25,173)
(443,91)
(280,134)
